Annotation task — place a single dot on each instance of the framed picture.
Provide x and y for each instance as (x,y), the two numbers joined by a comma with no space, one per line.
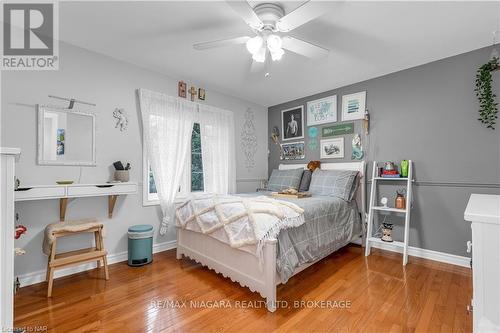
(182,89)
(293,151)
(292,123)
(332,148)
(201,94)
(322,111)
(353,106)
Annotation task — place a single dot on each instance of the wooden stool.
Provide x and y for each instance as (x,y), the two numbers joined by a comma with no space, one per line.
(56,261)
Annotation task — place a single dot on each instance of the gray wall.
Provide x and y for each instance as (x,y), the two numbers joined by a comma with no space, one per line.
(428,114)
(110,84)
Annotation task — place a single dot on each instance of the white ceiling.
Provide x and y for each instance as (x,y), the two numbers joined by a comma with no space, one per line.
(366,39)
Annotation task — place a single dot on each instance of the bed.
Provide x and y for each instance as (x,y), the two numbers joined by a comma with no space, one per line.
(277,265)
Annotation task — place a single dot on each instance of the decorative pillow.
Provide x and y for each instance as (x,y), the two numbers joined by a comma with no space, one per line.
(336,183)
(283,179)
(355,186)
(305,181)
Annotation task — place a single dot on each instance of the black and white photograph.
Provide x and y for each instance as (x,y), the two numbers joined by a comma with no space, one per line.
(292,121)
(332,148)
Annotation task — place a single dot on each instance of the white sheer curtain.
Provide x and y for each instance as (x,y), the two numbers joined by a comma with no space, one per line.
(167,125)
(217,149)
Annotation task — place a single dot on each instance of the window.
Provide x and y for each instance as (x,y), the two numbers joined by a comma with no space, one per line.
(192,180)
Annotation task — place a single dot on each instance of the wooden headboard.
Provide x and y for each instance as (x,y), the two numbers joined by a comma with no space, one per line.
(354,166)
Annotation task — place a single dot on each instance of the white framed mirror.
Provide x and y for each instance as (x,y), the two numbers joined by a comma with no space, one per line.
(65,137)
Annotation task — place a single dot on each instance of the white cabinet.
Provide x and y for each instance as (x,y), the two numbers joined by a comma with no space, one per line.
(483,211)
(8,156)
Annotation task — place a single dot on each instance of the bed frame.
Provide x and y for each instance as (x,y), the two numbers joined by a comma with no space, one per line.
(243,267)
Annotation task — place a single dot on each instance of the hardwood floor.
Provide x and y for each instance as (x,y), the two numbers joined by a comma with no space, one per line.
(380,296)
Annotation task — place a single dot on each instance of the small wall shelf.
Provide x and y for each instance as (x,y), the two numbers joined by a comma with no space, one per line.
(65,192)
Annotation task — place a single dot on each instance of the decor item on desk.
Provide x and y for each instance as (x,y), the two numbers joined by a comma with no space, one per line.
(338,129)
(400,201)
(64,182)
(17,183)
(387,232)
(61,134)
(293,150)
(193,93)
(182,88)
(332,148)
(121,172)
(484,91)
(357,149)
(121,119)
(248,139)
(292,121)
(384,202)
(404,168)
(353,106)
(201,94)
(313,165)
(322,111)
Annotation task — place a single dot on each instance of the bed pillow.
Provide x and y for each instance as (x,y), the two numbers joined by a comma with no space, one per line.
(284,179)
(355,186)
(335,183)
(305,181)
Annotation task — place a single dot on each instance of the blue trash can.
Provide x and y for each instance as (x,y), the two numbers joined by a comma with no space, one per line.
(140,244)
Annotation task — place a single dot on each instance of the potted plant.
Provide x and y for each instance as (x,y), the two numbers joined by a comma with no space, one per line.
(487,106)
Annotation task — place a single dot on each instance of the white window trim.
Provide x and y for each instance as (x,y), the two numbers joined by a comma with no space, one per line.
(146,197)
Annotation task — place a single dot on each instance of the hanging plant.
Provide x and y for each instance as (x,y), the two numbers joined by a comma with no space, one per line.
(487,106)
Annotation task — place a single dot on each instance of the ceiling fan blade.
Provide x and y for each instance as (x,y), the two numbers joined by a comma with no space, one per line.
(304,48)
(221,43)
(306,12)
(243,9)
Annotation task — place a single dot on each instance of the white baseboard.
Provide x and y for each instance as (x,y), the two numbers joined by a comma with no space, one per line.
(447,258)
(39,276)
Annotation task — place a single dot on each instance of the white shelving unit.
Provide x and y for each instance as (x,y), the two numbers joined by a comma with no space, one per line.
(370,239)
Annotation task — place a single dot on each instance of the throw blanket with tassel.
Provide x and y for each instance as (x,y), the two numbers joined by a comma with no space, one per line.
(238,221)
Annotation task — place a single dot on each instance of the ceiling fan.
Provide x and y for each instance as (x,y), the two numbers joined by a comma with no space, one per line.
(271,26)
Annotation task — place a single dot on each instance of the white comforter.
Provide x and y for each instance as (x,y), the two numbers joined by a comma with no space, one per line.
(238,221)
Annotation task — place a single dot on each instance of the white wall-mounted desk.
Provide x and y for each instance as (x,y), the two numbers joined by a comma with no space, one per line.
(65,192)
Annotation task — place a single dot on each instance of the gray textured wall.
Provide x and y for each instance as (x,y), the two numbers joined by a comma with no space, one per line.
(428,114)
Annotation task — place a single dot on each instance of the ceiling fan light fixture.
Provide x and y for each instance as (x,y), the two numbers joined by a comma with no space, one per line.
(260,55)
(254,44)
(277,54)
(274,43)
